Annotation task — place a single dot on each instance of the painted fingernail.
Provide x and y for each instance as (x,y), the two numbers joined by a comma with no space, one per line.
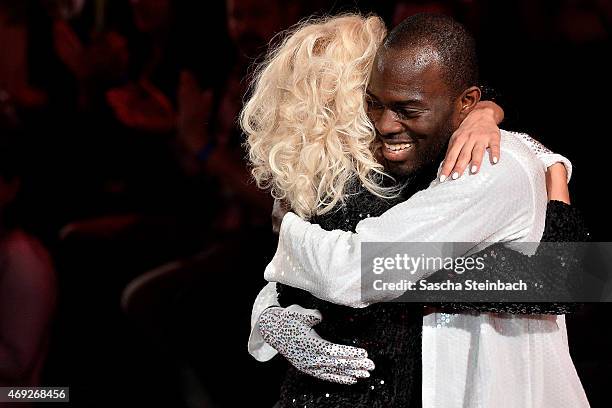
(495,159)
(442,178)
(455,176)
(474,168)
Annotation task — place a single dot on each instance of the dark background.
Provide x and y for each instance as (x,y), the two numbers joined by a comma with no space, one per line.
(101,113)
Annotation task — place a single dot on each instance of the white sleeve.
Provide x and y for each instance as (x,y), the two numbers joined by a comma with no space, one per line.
(257,347)
(498,204)
(544,154)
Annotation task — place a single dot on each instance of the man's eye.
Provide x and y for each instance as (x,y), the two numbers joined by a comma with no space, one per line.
(373,104)
(409,113)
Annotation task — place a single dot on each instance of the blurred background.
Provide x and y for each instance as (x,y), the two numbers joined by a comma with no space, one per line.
(130,256)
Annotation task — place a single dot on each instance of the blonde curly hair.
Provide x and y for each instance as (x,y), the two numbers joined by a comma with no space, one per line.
(308,134)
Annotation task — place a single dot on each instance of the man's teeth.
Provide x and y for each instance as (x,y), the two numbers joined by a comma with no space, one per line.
(397,147)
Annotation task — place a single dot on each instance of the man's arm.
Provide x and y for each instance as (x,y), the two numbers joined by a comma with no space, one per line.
(545,155)
(258,348)
(289,331)
(497,205)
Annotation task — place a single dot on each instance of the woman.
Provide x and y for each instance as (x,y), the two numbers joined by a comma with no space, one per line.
(310,140)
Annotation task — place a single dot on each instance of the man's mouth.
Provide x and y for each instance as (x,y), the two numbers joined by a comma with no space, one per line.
(397,152)
(396,147)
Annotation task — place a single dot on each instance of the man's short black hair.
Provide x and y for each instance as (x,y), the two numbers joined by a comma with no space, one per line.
(452,42)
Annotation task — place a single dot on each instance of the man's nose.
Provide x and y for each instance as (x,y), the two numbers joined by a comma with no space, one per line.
(387,123)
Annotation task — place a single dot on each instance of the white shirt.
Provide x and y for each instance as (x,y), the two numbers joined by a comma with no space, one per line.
(469,360)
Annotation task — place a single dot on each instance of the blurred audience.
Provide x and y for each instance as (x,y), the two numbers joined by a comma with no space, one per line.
(27,284)
(216,147)
(141,104)
(14,81)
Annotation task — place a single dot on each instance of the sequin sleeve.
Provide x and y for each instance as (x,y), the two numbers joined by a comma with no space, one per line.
(257,347)
(544,154)
(564,223)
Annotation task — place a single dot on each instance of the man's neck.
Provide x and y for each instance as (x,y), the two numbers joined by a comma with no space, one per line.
(420,179)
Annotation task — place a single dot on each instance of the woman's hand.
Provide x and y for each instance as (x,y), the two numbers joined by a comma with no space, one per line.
(556,183)
(478,132)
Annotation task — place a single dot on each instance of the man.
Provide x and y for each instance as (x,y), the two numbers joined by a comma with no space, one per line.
(422,86)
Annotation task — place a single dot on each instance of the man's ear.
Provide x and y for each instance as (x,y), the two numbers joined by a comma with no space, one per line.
(468,100)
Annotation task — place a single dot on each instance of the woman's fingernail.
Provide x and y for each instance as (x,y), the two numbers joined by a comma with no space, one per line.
(455,176)
(495,160)
(474,168)
(442,178)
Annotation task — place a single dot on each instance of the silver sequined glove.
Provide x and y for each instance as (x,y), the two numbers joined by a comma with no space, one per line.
(289,331)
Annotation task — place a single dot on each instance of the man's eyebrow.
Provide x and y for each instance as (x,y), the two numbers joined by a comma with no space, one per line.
(408,102)
(399,104)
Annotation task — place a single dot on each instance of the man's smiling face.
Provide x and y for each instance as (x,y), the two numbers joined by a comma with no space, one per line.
(412,107)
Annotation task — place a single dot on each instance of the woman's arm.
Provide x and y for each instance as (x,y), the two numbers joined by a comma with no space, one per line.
(563,224)
(478,132)
(556,183)
(507,265)
(558,168)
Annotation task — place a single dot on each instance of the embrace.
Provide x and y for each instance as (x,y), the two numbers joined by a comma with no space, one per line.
(368,136)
